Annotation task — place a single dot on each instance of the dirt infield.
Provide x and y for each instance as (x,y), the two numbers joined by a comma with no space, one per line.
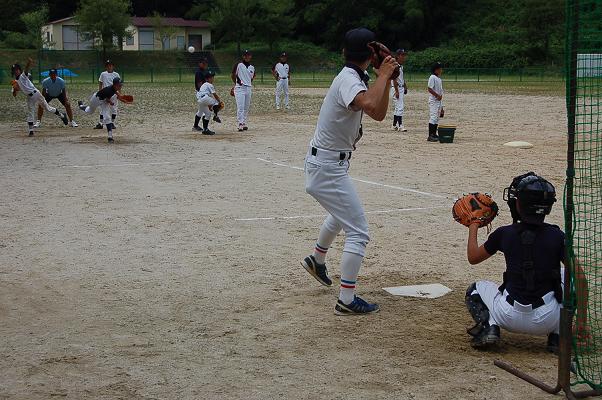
(166,266)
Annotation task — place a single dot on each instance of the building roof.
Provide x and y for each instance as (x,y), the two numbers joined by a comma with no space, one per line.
(189,23)
(148,22)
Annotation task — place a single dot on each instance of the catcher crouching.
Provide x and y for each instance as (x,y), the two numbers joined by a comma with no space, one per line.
(530,297)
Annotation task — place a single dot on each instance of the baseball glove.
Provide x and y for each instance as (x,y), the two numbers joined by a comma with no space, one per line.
(15,86)
(126,98)
(232,91)
(475,207)
(219,106)
(379,53)
(442,113)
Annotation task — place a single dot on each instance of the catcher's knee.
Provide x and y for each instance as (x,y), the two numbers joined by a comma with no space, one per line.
(475,305)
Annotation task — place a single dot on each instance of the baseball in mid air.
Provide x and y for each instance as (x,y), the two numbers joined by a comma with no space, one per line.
(191,49)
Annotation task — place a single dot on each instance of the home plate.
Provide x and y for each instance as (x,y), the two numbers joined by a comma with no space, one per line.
(519,144)
(430,291)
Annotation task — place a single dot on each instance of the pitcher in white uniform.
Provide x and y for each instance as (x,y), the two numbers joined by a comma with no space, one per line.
(282,73)
(34,97)
(435,90)
(106,79)
(242,75)
(327,163)
(399,89)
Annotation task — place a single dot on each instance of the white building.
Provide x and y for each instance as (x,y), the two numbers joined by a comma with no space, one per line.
(63,34)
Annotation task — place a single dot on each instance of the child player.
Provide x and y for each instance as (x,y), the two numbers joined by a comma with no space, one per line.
(435,89)
(34,97)
(208,102)
(104,99)
(105,80)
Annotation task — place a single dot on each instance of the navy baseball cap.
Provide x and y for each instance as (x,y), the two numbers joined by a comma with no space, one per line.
(108,62)
(203,60)
(53,71)
(209,73)
(15,67)
(356,44)
(117,81)
(283,54)
(436,66)
(400,51)
(246,52)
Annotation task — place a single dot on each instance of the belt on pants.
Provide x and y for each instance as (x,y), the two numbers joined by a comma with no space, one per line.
(283,78)
(536,304)
(343,155)
(32,93)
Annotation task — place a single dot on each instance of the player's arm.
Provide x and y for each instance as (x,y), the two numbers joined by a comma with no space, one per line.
(375,100)
(437,95)
(475,253)
(405,87)
(233,74)
(217,97)
(396,87)
(28,66)
(274,73)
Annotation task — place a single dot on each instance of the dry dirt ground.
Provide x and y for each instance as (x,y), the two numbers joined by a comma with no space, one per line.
(166,266)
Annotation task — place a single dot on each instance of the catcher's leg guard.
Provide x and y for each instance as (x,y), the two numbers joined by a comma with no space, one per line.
(477,309)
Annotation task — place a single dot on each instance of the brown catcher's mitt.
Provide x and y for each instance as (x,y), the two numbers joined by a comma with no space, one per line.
(126,98)
(219,106)
(232,91)
(15,85)
(475,207)
(379,53)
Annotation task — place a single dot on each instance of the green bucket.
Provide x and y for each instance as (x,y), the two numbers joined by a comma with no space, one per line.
(446,133)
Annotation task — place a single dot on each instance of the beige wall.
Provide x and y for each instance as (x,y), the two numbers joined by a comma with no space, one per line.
(56,36)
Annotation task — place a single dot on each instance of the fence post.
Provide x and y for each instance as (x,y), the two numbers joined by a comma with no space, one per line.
(180,74)
(152,75)
(313,74)
(478,75)
(521,75)
(542,74)
(499,72)
(262,75)
(93,74)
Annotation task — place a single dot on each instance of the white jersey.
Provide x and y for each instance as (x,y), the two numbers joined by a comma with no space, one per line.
(338,126)
(107,78)
(25,84)
(281,70)
(206,89)
(436,85)
(244,75)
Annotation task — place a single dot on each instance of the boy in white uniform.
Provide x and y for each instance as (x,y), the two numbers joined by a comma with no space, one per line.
(104,99)
(281,72)
(34,97)
(435,89)
(105,80)
(399,90)
(327,163)
(242,75)
(208,101)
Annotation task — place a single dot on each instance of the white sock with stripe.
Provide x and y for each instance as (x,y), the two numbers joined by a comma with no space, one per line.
(350,268)
(328,232)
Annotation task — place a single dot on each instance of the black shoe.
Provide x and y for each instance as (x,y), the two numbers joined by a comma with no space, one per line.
(244,128)
(197,128)
(316,270)
(487,338)
(553,343)
(98,126)
(358,306)
(217,119)
(208,132)
(432,139)
(31,133)
(111,140)
(81,106)
(63,116)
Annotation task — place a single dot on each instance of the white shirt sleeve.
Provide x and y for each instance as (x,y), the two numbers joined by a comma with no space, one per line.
(431,83)
(349,90)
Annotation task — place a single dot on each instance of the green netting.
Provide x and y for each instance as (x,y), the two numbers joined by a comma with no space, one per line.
(583,199)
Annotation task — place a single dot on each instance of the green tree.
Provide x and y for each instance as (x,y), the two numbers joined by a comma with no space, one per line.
(104,28)
(163,32)
(33,22)
(234,20)
(275,20)
(543,23)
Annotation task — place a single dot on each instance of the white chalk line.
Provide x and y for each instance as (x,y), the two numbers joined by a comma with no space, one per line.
(394,210)
(402,189)
(155,163)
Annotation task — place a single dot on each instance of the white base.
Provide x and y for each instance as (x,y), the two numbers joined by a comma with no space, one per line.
(429,291)
(519,145)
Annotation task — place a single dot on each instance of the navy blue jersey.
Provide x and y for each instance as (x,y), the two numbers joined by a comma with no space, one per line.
(106,93)
(199,78)
(547,254)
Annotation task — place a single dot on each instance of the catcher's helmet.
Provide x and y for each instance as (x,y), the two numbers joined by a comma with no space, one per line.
(535,197)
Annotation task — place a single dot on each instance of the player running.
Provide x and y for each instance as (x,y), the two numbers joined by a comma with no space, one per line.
(104,99)
(282,74)
(34,97)
(435,89)
(106,79)
(327,162)
(530,298)
(399,90)
(242,75)
(209,104)
(53,87)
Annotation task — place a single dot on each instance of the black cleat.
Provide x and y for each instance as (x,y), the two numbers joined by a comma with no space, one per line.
(30,133)
(489,337)
(197,128)
(208,132)
(98,126)
(432,139)
(316,270)
(245,128)
(64,118)
(110,140)
(217,119)
(553,343)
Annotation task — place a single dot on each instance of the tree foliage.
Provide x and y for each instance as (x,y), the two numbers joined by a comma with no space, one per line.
(33,22)
(164,33)
(104,27)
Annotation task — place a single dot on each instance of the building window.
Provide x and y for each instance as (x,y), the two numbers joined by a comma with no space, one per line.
(166,43)
(181,42)
(72,39)
(146,40)
(129,41)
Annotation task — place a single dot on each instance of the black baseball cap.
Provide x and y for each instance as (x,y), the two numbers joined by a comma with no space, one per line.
(356,44)
(436,66)
(15,67)
(53,71)
(246,52)
(108,62)
(117,81)
(209,73)
(204,60)
(400,51)
(283,54)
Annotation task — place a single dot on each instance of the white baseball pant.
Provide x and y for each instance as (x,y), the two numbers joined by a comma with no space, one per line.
(243,103)
(115,102)
(105,108)
(204,103)
(327,180)
(282,86)
(32,105)
(434,111)
(519,318)
(398,103)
